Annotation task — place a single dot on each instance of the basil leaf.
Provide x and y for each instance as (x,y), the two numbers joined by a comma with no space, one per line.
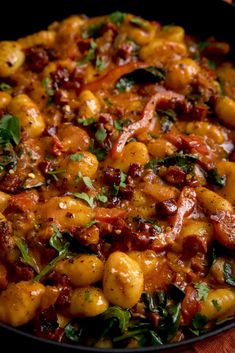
(83,196)
(29,260)
(202,290)
(9,129)
(228,274)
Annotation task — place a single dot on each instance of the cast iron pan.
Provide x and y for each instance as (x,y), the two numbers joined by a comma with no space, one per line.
(199,17)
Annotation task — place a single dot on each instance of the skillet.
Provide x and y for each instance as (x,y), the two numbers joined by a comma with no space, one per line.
(201,18)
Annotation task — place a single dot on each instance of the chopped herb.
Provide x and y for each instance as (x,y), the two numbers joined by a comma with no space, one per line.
(117,17)
(87,121)
(203,45)
(29,260)
(216,305)
(221,84)
(87,296)
(176,293)
(166,28)
(212,65)
(4,87)
(215,179)
(47,85)
(48,268)
(54,173)
(120,123)
(57,241)
(184,161)
(139,22)
(87,181)
(73,331)
(92,31)
(9,130)
(108,102)
(102,198)
(122,184)
(76,157)
(222,321)
(228,274)
(91,223)
(90,54)
(101,134)
(199,321)
(166,118)
(83,196)
(99,64)
(98,152)
(202,290)
(124,84)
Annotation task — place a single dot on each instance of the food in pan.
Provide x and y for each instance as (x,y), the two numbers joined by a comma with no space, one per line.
(117,167)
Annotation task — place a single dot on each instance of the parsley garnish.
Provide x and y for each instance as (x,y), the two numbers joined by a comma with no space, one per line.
(216,305)
(202,290)
(99,64)
(87,121)
(90,54)
(76,157)
(139,22)
(28,260)
(117,17)
(101,134)
(4,87)
(83,196)
(47,85)
(87,181)
(54,173)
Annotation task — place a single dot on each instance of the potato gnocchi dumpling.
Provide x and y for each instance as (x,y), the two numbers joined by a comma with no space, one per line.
(117,182)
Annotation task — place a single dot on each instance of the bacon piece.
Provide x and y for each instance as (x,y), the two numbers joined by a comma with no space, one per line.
(185,205)
(25,201)
(142,124)
(190,305)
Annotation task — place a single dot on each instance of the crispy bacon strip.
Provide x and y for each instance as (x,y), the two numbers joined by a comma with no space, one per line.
(142,124)
(186,203)
(224,226)
(107,81)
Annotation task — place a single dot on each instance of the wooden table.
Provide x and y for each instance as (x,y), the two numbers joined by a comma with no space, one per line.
(223,343)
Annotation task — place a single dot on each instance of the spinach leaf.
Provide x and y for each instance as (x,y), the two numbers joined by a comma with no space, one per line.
(216,305)
(9,130)
(120,317)
(151,74)
(184,161)
(176,293)
(199,321)
(72,331)
(174,320)
(28,259)
(100,153)
(228,274)
(215,179)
